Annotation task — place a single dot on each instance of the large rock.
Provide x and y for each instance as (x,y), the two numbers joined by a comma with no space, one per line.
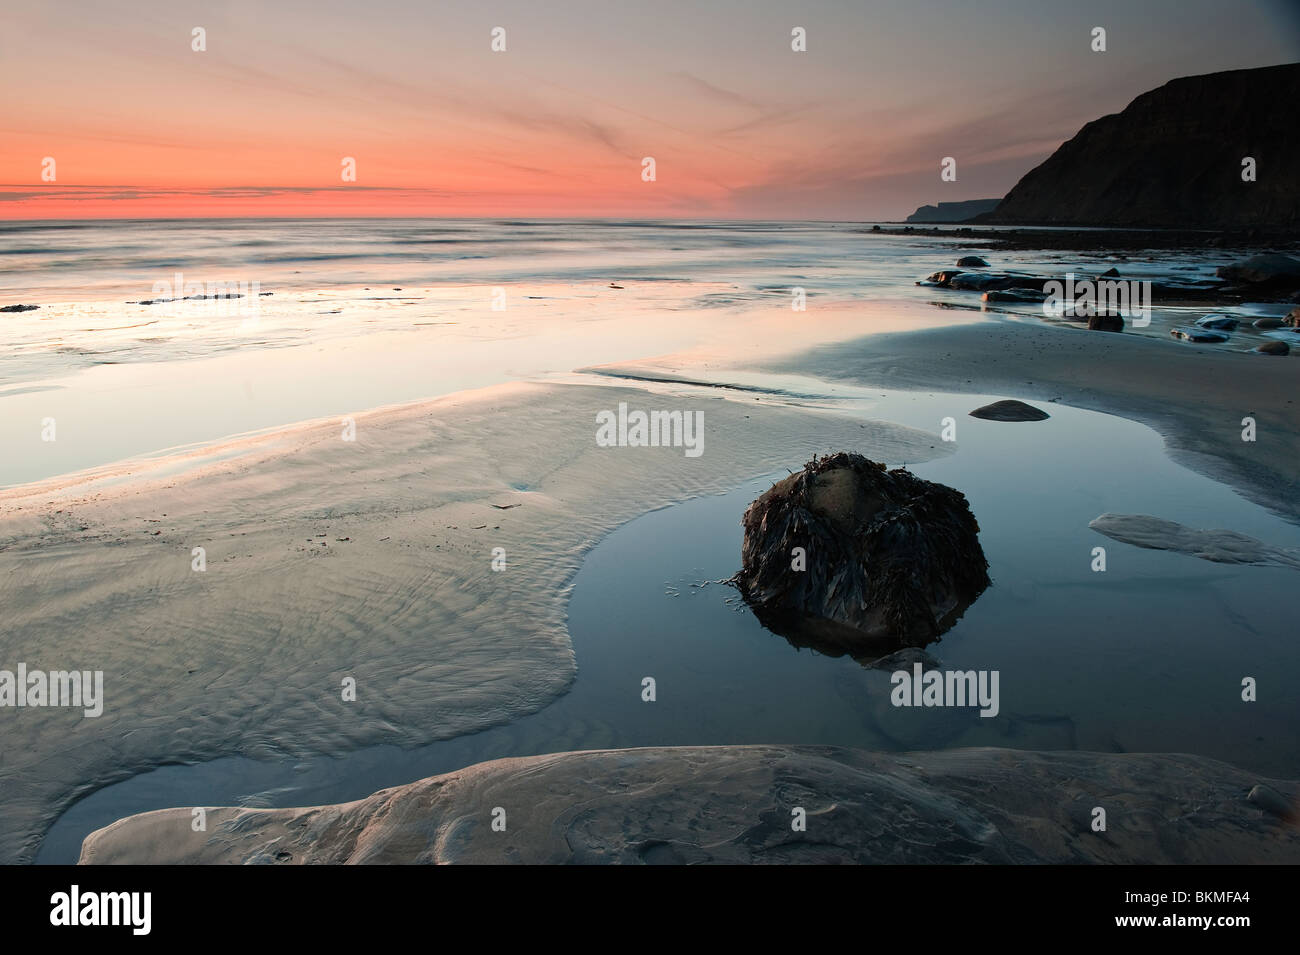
(734,804)
(891,560)
(1267,268)
(1173,159)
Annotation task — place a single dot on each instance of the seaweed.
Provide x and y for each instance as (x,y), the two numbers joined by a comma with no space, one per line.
(892,560)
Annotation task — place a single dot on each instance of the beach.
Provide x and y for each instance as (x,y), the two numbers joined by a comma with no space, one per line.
(391,522)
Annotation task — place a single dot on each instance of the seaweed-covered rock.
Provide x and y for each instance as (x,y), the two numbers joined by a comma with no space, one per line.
(889,560)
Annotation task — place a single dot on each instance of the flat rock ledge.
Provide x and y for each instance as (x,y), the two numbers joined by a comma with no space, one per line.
(735,804)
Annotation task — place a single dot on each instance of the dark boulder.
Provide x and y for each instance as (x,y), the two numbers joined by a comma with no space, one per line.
(19,308)
(1220,323)
(971,262)
(1268,268)
(1273,348)
(1105,323)
(1265,323)
(891,560)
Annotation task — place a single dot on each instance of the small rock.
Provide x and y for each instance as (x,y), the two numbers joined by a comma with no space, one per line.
(1014,295)
(1105,323)
(1110,273)
(1010,410)
(1222,323)
(940,278)
(1268,323)
(1292,319)
(1198,334)
(971,262)
(1273,348)
(19,308)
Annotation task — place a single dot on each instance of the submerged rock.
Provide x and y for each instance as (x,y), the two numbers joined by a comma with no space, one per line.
(971,262)
(1110,273)
(845,556)
(1010,410)
(1190,334)
(1219,546)
(1273,348)
(1223,323)
(1265,323)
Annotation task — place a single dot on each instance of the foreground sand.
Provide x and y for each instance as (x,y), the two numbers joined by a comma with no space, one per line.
(328,559)
(734,804)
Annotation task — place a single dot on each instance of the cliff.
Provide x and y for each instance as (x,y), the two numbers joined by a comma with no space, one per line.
(953,211)
(1173,159)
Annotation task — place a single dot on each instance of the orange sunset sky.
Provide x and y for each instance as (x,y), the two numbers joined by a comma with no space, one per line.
(139,124)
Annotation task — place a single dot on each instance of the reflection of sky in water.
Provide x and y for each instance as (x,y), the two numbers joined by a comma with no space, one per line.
(126,379)
(1147,657)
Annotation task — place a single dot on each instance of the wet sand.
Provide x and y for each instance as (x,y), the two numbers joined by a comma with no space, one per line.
(329,560)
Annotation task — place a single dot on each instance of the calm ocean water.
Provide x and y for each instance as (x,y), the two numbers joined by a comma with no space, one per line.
(337,316)
(79,261)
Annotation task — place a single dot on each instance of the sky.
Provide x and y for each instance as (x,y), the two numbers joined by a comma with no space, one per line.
(141,125)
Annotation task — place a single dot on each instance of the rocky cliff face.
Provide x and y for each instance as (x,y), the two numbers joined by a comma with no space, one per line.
(1173,159)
